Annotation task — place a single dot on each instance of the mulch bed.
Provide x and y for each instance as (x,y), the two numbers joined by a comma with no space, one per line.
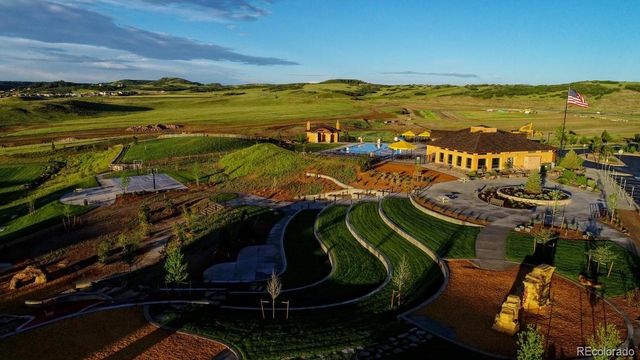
(474,296)
(114,334)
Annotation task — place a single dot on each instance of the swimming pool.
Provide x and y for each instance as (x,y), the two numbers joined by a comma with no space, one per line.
(367,148)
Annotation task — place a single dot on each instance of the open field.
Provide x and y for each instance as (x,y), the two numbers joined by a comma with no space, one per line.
(282,111)
(446,239)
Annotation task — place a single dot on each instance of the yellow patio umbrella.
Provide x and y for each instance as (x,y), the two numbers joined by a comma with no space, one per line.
(401,145)
(425,133)
(408,133)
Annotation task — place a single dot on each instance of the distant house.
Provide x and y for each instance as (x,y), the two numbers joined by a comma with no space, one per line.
(487,148)
(323,133)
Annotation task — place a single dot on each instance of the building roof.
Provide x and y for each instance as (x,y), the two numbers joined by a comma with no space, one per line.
(482,140)
(401,145)
(324,128)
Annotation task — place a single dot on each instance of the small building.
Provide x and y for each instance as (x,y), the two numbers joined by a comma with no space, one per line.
(323,133)
(487,148)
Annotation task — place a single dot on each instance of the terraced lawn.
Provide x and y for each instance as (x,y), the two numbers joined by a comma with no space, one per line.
(310,333)
(306,261)
(447,239)
(570,258)
(356,271)
(425,276)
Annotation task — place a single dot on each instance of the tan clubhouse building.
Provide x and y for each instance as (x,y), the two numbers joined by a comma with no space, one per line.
(482,148)
(323,133)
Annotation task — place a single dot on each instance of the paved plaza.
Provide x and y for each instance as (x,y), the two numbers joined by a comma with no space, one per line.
(106,193)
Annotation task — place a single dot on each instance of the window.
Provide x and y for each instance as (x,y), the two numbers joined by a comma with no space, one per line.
(495,163)
(441,157)
(450,159)
(459,161)
(482,164)
(509,163)
(468,163)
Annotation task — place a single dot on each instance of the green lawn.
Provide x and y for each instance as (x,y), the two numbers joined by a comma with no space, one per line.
(446,239)
(425,275)
(80,171)
(571,259)
(13,176)
(306,262)
(356,271)
(160,149)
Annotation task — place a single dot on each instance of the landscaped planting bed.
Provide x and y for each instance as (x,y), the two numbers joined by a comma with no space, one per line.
(446,239)
(306,262)
(571,259)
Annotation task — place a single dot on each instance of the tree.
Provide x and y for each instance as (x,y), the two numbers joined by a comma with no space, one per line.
(124,182)
(196,172)
(571,161)
(543,237)
(144,217)
(103,249)
(606,137)
(530,344)
(559,135)
(400,278)
(175,266)
(274,288)
(606,337)
(534,183)
(128,246)
(612,203)
(603,254)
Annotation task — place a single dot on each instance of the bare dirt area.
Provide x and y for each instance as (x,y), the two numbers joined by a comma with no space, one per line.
(399,177)
(474,296)
(114,334)
(70,255)
(293,187)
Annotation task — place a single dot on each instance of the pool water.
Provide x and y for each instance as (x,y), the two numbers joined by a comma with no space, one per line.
(367,148)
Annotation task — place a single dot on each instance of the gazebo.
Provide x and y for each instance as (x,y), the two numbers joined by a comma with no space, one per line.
(401,145)
(408,134)
(425,134)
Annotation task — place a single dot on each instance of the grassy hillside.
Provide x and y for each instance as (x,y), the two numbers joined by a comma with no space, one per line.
(181,146)
(282,110)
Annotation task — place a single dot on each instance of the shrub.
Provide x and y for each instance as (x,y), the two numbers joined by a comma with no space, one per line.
(571,161)
(530,344)
(534,183)
(103,249)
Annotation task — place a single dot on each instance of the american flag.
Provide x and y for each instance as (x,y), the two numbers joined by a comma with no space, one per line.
(576,99)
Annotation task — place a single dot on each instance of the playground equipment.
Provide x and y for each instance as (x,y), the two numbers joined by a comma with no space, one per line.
(537,287)
(506,321)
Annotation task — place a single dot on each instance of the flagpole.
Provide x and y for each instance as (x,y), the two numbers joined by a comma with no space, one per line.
(564,121)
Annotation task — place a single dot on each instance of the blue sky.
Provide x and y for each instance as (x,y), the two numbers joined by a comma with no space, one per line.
(279,41)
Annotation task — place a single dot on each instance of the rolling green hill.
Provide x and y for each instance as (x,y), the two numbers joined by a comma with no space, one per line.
(282,110)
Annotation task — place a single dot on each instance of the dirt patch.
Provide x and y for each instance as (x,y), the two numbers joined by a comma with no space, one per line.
(399,177)
(474,296)
(115,334)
